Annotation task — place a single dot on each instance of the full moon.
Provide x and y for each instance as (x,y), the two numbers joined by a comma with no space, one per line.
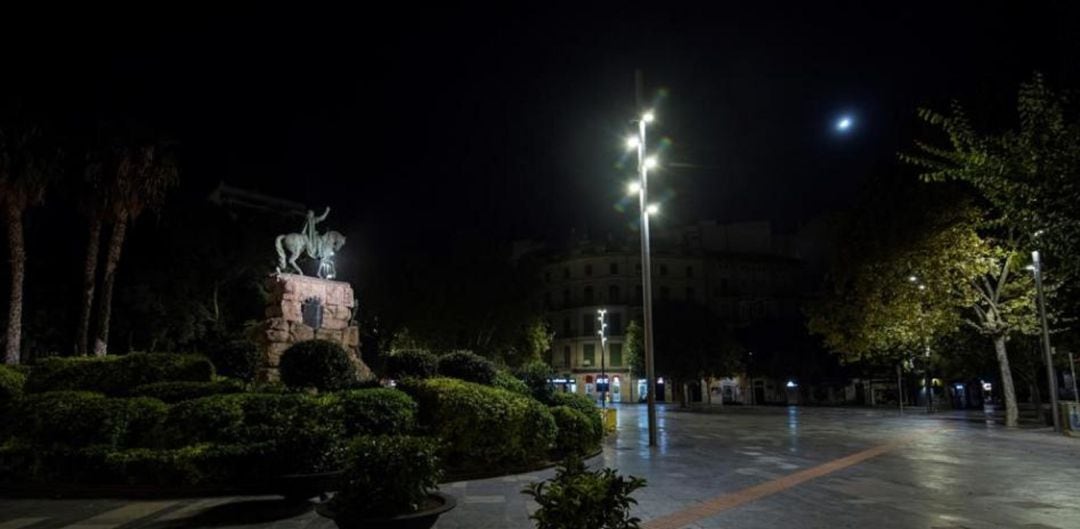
(844,123)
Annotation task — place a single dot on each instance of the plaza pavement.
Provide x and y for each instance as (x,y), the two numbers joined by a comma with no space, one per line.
(743,468)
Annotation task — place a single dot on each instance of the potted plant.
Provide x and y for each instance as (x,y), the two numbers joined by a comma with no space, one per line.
(390,481)
(577,498)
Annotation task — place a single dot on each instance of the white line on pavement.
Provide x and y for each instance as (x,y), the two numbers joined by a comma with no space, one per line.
(19,523)
(122,515)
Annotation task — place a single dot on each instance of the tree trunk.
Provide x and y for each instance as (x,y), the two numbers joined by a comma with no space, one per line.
(17,248)
(1007,388)
(93,248)
(116,243)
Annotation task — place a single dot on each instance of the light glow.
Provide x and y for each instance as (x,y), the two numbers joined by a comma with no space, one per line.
(632,143)
(652,209)
(651,162)
(648,117)
(633,188)
(844,123)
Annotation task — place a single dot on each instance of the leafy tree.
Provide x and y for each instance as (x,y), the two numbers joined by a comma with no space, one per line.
(634,348)
(692,344)
(27,164)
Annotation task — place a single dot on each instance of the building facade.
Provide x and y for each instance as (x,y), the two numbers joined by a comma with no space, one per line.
(742,272)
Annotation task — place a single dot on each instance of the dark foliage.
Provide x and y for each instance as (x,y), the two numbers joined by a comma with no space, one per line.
(173,392)
(117,375)
(580,499)
(411,363)
(506,380)
(78,419)
(583,404)
(387,475)
(319,364)
(576,433)
(11,386)
(237,359)
(537,376)
(467,366)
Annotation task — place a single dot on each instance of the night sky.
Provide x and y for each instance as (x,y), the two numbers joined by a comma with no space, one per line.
(426,127)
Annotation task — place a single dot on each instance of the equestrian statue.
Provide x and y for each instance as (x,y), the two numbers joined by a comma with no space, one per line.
(320,247)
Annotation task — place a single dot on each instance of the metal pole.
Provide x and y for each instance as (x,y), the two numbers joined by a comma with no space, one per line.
(646,267)
(1072,368)
(929,384)
(900,386)
(1049,358)
(603,353)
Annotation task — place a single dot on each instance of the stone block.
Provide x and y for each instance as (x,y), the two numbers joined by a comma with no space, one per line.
(274,352)
(333,335)
(335,324)
(352,337)
(301,333)
(340,312)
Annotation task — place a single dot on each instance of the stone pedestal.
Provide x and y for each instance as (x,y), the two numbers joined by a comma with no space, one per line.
(304,308)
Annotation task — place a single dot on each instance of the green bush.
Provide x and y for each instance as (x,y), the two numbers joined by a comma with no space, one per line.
(11,386)
(386,476)
(173,392)
(580,499)
(239,359)
(509,382)
(81,419)
(576,434)
(467,366)
(411,363)
(319,364)
(213,419)
(537,376)
(481,425)
(374,411)
(116,375)
(583,404)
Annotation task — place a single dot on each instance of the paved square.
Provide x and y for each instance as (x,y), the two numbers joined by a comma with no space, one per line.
(737,467)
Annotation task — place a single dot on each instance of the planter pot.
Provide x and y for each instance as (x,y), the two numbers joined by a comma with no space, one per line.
(418,520)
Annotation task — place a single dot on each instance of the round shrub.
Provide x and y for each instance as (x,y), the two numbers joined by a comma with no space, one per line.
(173,392)
(583,404)
(116,375)
(81,419)
(374,411)
(411,363)
(576,434)
(509,382)
(537,376)
(319,364)
(386,475)
(467,366)
(237,359)
(483,426)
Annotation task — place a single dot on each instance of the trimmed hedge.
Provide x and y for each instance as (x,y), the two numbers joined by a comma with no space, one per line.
(174,392)
(583,404)
(11,386)
(481,425)
(576,435)
(509,382)
(374,411)
(537,376)
(237,359)
(79,419)
(116,375)
(411,363)
(319,364)
(467,366)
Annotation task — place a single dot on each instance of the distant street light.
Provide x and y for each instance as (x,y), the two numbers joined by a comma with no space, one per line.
(652,209)
(1036,268)
(929,381)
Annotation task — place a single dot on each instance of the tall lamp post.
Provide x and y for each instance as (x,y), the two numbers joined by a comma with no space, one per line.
(1036,268)
(602,332)
(641,187)
(929,381)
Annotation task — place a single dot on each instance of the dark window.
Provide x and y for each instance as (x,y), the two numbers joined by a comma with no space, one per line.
(689,271)
(615,354)
(589,355)
(613,268)
(588,295)
(566,355)
(547,300)
(637,266)
(588,270)
(566,273)
(665,293)
(587,327)
(663,270)
(690,293)
(566,297)
(547,277)
(723,284)
(716,292)
(613,293)
(637,296)
(614,324)
(567,331)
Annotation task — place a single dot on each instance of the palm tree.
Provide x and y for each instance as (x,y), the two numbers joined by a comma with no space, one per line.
(139,176)
(27,164)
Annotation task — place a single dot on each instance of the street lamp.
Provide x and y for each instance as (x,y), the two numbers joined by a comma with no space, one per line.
(642,189)
(600,316)
(1036,268)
